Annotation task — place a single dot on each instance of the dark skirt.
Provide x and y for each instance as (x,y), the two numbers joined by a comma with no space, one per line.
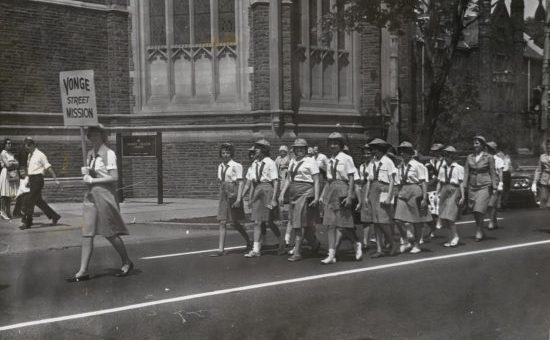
(228,196)
(408,205)
(300,215)
(381,213)
(366,214)
(335,214)
(478,199)
(101,213)
(263,194)
(448,202)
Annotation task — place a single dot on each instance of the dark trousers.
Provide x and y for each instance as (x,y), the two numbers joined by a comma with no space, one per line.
(34,198)
(20,203)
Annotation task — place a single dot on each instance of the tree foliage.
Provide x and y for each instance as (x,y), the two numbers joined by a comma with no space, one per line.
(437,24)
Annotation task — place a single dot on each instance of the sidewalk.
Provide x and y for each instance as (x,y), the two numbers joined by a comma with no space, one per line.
(144,218)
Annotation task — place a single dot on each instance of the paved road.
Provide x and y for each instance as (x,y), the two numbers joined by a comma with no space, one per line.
(496,289)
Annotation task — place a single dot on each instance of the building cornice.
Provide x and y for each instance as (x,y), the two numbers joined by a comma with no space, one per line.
(86,5)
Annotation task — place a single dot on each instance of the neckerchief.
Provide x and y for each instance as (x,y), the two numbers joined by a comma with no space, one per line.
(376,170)
(404,176)
(294,169)
(449,174)
(333,165)
(259,171)
(224,171)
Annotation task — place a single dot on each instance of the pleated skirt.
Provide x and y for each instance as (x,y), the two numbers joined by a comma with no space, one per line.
(263,194)
(448,202)
(408,207)
(300,215)
(228,196)
(336,214)
(381,213)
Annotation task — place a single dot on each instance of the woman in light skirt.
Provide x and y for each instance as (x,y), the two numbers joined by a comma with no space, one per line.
(480,179)
(337,198)
(450,188)
(230,207)
(101,210)
(9,179)
(302,182)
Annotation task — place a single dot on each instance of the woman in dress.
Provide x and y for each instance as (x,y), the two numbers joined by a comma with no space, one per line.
(412,197)
(381,177)
(101,210)
(264,198)
(434,165)
(9,179)
(337,198)
(450,189)
(302,182)
(230,207)
(481,181)
(541,181)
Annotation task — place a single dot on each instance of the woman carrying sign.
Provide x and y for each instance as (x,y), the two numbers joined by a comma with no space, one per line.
(101,210)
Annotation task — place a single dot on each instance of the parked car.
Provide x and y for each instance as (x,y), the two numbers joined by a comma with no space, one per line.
(520,187)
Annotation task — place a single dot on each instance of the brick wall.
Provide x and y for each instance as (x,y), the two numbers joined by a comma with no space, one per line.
(259,55)
(287,54)
(370,71)
(39,40)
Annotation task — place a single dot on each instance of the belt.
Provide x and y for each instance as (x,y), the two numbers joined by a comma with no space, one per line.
(382,182)
(294,181)
(37,175)
(475,172)
(453,184)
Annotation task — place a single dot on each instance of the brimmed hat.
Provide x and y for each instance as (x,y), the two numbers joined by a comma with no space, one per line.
(283,148)
(481,139)
(378,142)
(337,136)
(28,140)
(300,142)
(251,149)
(405,145)
(263,142)
(449,149)
(227,145)
(492,145)
(436,147)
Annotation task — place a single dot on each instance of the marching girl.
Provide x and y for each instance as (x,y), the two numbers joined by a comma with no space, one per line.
(302,182)
(412,198)
(481,181)
(101,210)
(337,198)
(434,165)
(541,180)
(264,198)
(451,194)
(381,174)
(362,195)
(230,208)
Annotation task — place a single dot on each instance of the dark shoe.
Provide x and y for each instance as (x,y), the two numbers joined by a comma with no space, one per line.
(55,220)
(124,272)
(295,258)
(218,254)
(78,278)
(377,255)
(24,226)
(281,251)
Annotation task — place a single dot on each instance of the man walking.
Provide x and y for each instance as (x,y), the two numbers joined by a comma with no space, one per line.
(37,164)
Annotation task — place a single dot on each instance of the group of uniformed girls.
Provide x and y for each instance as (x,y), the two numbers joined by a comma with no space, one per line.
(391,191)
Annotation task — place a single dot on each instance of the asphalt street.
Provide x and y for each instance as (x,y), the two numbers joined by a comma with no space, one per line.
(495,289)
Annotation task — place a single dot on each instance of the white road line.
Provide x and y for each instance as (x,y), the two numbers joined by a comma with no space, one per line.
(486,220)
(242,247)
(264,285)
(189,253)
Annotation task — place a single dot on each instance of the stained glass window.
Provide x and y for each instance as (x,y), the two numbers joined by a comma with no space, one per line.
(226,20)
(181,22)
(202,21)
(157,22)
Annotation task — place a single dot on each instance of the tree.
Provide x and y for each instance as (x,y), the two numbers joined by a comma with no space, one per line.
(439,26)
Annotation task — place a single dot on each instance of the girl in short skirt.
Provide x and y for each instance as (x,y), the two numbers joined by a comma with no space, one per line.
(264,199)
(451,194)
(302,182)
(381,175)
(362,194)
(230,207)
(412,198)
(338,196)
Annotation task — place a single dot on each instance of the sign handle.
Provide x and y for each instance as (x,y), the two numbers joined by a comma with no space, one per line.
(83,141)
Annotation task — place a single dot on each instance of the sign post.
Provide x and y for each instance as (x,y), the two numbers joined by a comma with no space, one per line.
(78,101)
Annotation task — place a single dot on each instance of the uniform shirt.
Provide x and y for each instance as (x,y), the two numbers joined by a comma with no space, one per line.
(506,160)
(340,167)
(322,161)
(264,171)
(282,165)
(412,173)
(542,173)
(102,161)
(381,170)
(499,164)
(303,170)
(453,174)
(37,163)
(230,172)
(250,172)
(363,172)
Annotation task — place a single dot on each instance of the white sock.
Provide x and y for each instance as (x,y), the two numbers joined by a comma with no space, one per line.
(331,252)
(287,238)
(256,247)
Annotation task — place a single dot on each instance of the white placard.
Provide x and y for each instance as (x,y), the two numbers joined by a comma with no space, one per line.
(78,98)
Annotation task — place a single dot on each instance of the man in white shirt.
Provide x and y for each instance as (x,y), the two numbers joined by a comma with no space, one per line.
(37,165)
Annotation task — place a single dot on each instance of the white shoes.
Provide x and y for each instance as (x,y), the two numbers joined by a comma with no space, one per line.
(4,216)
(358,251)
(415,250)
(329,260)
(405,247)
(252,253)
(453,243)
